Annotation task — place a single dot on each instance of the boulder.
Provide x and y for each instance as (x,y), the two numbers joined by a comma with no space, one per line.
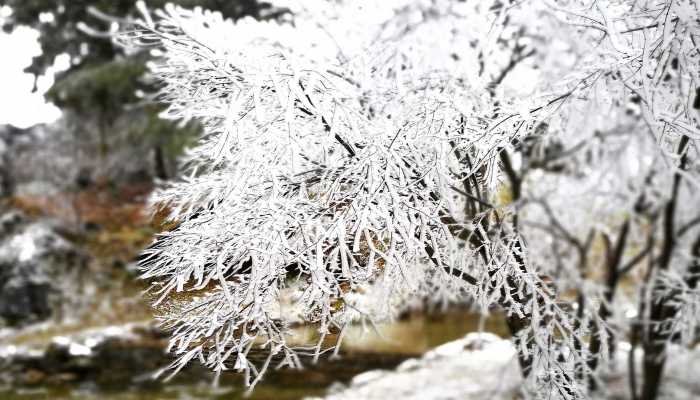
(68,155)
(39,271)
(115,356)
(478,366)
(7,136)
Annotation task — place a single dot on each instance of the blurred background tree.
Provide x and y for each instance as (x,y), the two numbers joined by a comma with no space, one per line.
(103,93)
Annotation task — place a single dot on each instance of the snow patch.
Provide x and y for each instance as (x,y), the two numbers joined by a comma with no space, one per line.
(478,366)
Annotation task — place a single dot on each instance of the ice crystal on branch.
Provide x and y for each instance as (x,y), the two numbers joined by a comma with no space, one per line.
(320,170)
(358,156)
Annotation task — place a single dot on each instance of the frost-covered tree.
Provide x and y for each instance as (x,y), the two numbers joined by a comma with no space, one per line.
(617,194)
(358,156)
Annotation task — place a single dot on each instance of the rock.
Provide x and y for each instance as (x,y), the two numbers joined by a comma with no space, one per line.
(5,184)
(23,160)
(111,355)
(69,155)
(34,377)
(23,300)
(10,221)
(9,135)
(478,366)
(39,271)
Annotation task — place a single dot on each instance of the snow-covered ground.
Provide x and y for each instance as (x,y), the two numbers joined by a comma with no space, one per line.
(681,376)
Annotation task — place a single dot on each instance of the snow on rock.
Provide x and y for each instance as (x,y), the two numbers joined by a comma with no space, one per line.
(120,353)
(478,366)
(38,270)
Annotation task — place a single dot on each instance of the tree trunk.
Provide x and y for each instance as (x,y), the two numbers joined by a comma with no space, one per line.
(515,325)
(654,362)
(161,169)
(656,338)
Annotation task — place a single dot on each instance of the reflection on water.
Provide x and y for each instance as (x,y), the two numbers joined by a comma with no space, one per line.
(418,333)
(363,349)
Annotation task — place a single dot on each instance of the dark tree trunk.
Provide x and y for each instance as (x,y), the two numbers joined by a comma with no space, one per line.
(660,309)
(654,362)
(515,325)
(161,169)
(612,263)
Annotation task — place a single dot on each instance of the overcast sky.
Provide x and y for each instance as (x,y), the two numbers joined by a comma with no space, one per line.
(18,105)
